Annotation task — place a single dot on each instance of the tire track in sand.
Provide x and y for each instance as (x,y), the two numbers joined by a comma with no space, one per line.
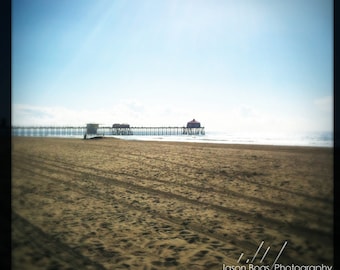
(298,229)
(192,226)
(48,246)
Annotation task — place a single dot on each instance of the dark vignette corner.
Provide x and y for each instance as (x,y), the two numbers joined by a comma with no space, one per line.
(5,134)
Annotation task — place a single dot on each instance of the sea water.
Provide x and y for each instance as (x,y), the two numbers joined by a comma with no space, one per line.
(318,139)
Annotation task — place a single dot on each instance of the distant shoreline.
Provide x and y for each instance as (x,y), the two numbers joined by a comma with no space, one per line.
(203,143)
(310,139)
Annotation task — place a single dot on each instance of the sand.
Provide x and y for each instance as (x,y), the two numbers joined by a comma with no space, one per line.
(116,204)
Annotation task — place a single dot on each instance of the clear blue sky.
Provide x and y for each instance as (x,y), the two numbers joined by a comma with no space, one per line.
(243,65)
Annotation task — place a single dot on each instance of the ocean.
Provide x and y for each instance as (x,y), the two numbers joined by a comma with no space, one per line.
(316,139)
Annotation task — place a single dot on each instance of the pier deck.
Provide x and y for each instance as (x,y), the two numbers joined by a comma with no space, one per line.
(105,130)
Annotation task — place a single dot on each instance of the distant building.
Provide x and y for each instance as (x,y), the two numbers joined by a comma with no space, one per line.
(121,129)
(193,124)
(120,126)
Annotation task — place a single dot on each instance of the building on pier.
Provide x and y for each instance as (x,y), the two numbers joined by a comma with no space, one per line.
(121,129)
(193,124)
(193,128)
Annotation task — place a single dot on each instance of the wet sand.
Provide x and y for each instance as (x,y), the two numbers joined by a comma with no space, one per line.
(114,204)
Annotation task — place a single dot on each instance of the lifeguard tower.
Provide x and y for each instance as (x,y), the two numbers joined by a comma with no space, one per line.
(91,131)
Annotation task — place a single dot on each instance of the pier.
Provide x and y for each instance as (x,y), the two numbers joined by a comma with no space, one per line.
(53,131)
(79,131)
(161,131)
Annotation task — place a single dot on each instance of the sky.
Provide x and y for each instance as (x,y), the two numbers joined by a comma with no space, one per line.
(233,65)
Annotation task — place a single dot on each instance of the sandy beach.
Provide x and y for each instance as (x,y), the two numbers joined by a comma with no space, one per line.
(116,204)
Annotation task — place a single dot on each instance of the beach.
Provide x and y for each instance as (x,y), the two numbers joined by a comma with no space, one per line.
(124,204)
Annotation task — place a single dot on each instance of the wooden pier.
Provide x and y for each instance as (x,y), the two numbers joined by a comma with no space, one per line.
(66,131)
(159,131)
(42,131)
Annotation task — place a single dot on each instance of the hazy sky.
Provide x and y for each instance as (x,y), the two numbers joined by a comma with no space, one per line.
(233,65)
